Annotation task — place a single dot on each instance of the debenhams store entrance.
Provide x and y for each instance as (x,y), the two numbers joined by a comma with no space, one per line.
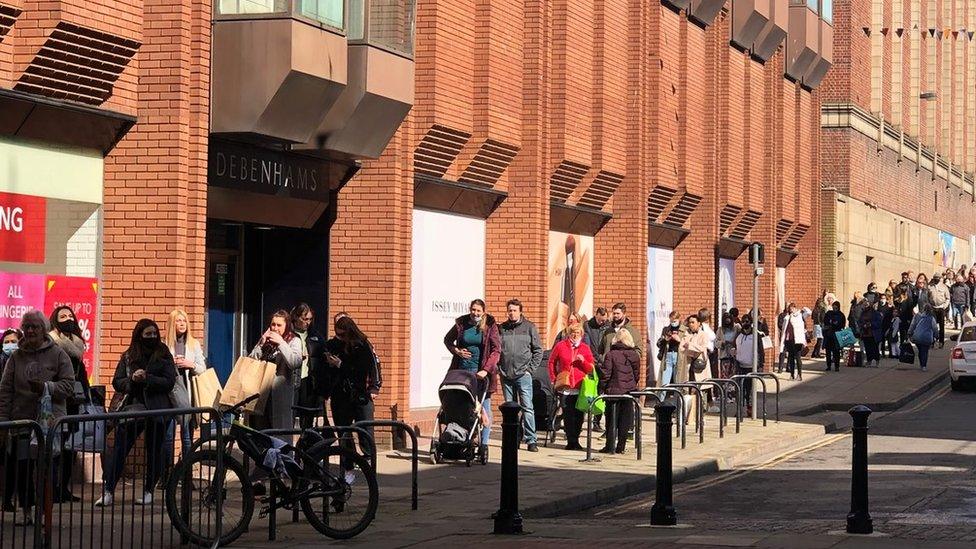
(269,214)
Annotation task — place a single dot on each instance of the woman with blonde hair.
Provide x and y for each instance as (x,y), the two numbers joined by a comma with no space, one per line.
(619,373)
(575,319)
(189,359)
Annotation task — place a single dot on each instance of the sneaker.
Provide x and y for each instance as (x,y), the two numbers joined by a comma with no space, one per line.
(924,369)
(350,477)
(106,500)
(713,409)
(532,447)
(146,499)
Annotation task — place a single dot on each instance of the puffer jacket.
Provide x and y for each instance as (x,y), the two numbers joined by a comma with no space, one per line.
(49,364)
(959,294)
(620,370)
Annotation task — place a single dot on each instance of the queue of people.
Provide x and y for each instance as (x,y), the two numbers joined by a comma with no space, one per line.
(44,357)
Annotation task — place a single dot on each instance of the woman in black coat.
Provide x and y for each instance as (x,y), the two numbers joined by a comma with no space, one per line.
(355,379)
(144,376)
(619,374)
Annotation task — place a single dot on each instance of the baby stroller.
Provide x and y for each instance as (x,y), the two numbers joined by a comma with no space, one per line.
(457,436)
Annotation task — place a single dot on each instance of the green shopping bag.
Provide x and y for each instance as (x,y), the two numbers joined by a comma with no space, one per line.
(588,392)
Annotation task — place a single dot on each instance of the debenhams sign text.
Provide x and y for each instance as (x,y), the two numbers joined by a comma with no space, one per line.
(262,171)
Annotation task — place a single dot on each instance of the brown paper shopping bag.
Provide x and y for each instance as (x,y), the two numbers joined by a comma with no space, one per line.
(249,377)
(206,389)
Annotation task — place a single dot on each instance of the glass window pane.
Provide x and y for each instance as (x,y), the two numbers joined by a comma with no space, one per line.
(827,11)
(239,7)
(356,22)
(968,334)
(814,5)
(391,24)
(328,12)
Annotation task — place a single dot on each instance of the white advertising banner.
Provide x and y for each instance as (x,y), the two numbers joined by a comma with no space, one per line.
(726,286)
(780,292)
(448,271)
(660,296)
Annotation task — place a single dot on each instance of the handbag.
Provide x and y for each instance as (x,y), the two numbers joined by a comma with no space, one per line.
(179,395)
(206,389)
(563,381)
(699,364)
(588,391)
(90,436)
(845,338)
(906,353)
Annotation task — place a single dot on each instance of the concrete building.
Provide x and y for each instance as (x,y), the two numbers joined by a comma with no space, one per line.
(899,141)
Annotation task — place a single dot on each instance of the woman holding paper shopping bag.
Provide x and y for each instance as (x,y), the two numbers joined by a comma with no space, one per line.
(189,359)
(279,345)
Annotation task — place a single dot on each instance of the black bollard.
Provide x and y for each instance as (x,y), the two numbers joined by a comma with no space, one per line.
(859,520)
(508,519)
(662,513)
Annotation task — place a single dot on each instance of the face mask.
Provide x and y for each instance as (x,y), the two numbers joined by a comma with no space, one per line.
(68,327)
(150,341)
(9,348)
(476,318)
(675,324)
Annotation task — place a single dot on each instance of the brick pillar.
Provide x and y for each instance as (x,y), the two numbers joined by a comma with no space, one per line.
(156,183)
(370,251)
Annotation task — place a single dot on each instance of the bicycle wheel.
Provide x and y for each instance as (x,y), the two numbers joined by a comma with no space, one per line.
(343,515)
(191,499)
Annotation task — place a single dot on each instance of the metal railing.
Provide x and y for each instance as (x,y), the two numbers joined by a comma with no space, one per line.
(681,429)
(22,483)
(756,377)
(414,451)
(722,417)
(638,419)
(738,400)
(772,376)
(699,412)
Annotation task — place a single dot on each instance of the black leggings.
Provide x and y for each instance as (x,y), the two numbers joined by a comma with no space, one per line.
(620,419)
(346,413)
(793,362)
(871,350)
(572,420)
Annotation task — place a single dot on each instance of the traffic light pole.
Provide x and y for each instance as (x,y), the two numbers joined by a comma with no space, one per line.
(756,259)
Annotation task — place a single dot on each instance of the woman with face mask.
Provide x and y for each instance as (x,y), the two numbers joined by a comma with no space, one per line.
(667,346)
(574,357)
(793,338)
(38,365)
(145,375)
(66,334)
(10,338)
(475,342)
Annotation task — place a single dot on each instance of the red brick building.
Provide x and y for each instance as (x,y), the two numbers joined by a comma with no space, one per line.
(247,155)
(899,141)
(639,127)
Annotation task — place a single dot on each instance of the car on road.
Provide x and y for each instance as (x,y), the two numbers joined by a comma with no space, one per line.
(962,361)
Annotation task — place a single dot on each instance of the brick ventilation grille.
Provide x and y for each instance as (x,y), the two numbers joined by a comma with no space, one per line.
(438,149)
(565,179)
(782,229)
(657,201)
(728,215)
(600,191)
(489,163)
(8,16)
(794,238)
(745,225)
(682,210)
(78,64)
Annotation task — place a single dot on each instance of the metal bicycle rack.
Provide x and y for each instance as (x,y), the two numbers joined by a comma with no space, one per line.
(656,392)
(762,381)
(738,399)
(638,420)
(722,416)
(558,397)
(699,413)
(772,376)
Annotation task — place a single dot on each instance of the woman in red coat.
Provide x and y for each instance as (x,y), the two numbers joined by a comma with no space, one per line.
(574,357)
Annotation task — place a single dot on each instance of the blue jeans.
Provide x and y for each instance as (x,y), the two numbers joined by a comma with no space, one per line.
(186,437)
(524,387)
(670,363)
(958,311)
(923,355)
(486,430)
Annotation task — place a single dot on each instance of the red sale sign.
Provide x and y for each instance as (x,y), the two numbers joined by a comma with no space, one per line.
(22,228)
(81,294)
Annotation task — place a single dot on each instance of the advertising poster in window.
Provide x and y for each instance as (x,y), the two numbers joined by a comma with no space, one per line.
(570,280)
(448,271)
(660,297)
(780,293)
(946,255)
(26,292)
(726,285)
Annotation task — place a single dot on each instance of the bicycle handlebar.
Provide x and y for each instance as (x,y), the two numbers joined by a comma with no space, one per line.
(236,409)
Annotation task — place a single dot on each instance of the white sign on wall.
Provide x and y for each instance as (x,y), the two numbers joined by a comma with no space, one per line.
(726,286)
(660,297)
(448,271)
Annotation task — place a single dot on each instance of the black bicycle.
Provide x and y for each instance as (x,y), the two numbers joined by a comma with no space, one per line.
(335,487)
